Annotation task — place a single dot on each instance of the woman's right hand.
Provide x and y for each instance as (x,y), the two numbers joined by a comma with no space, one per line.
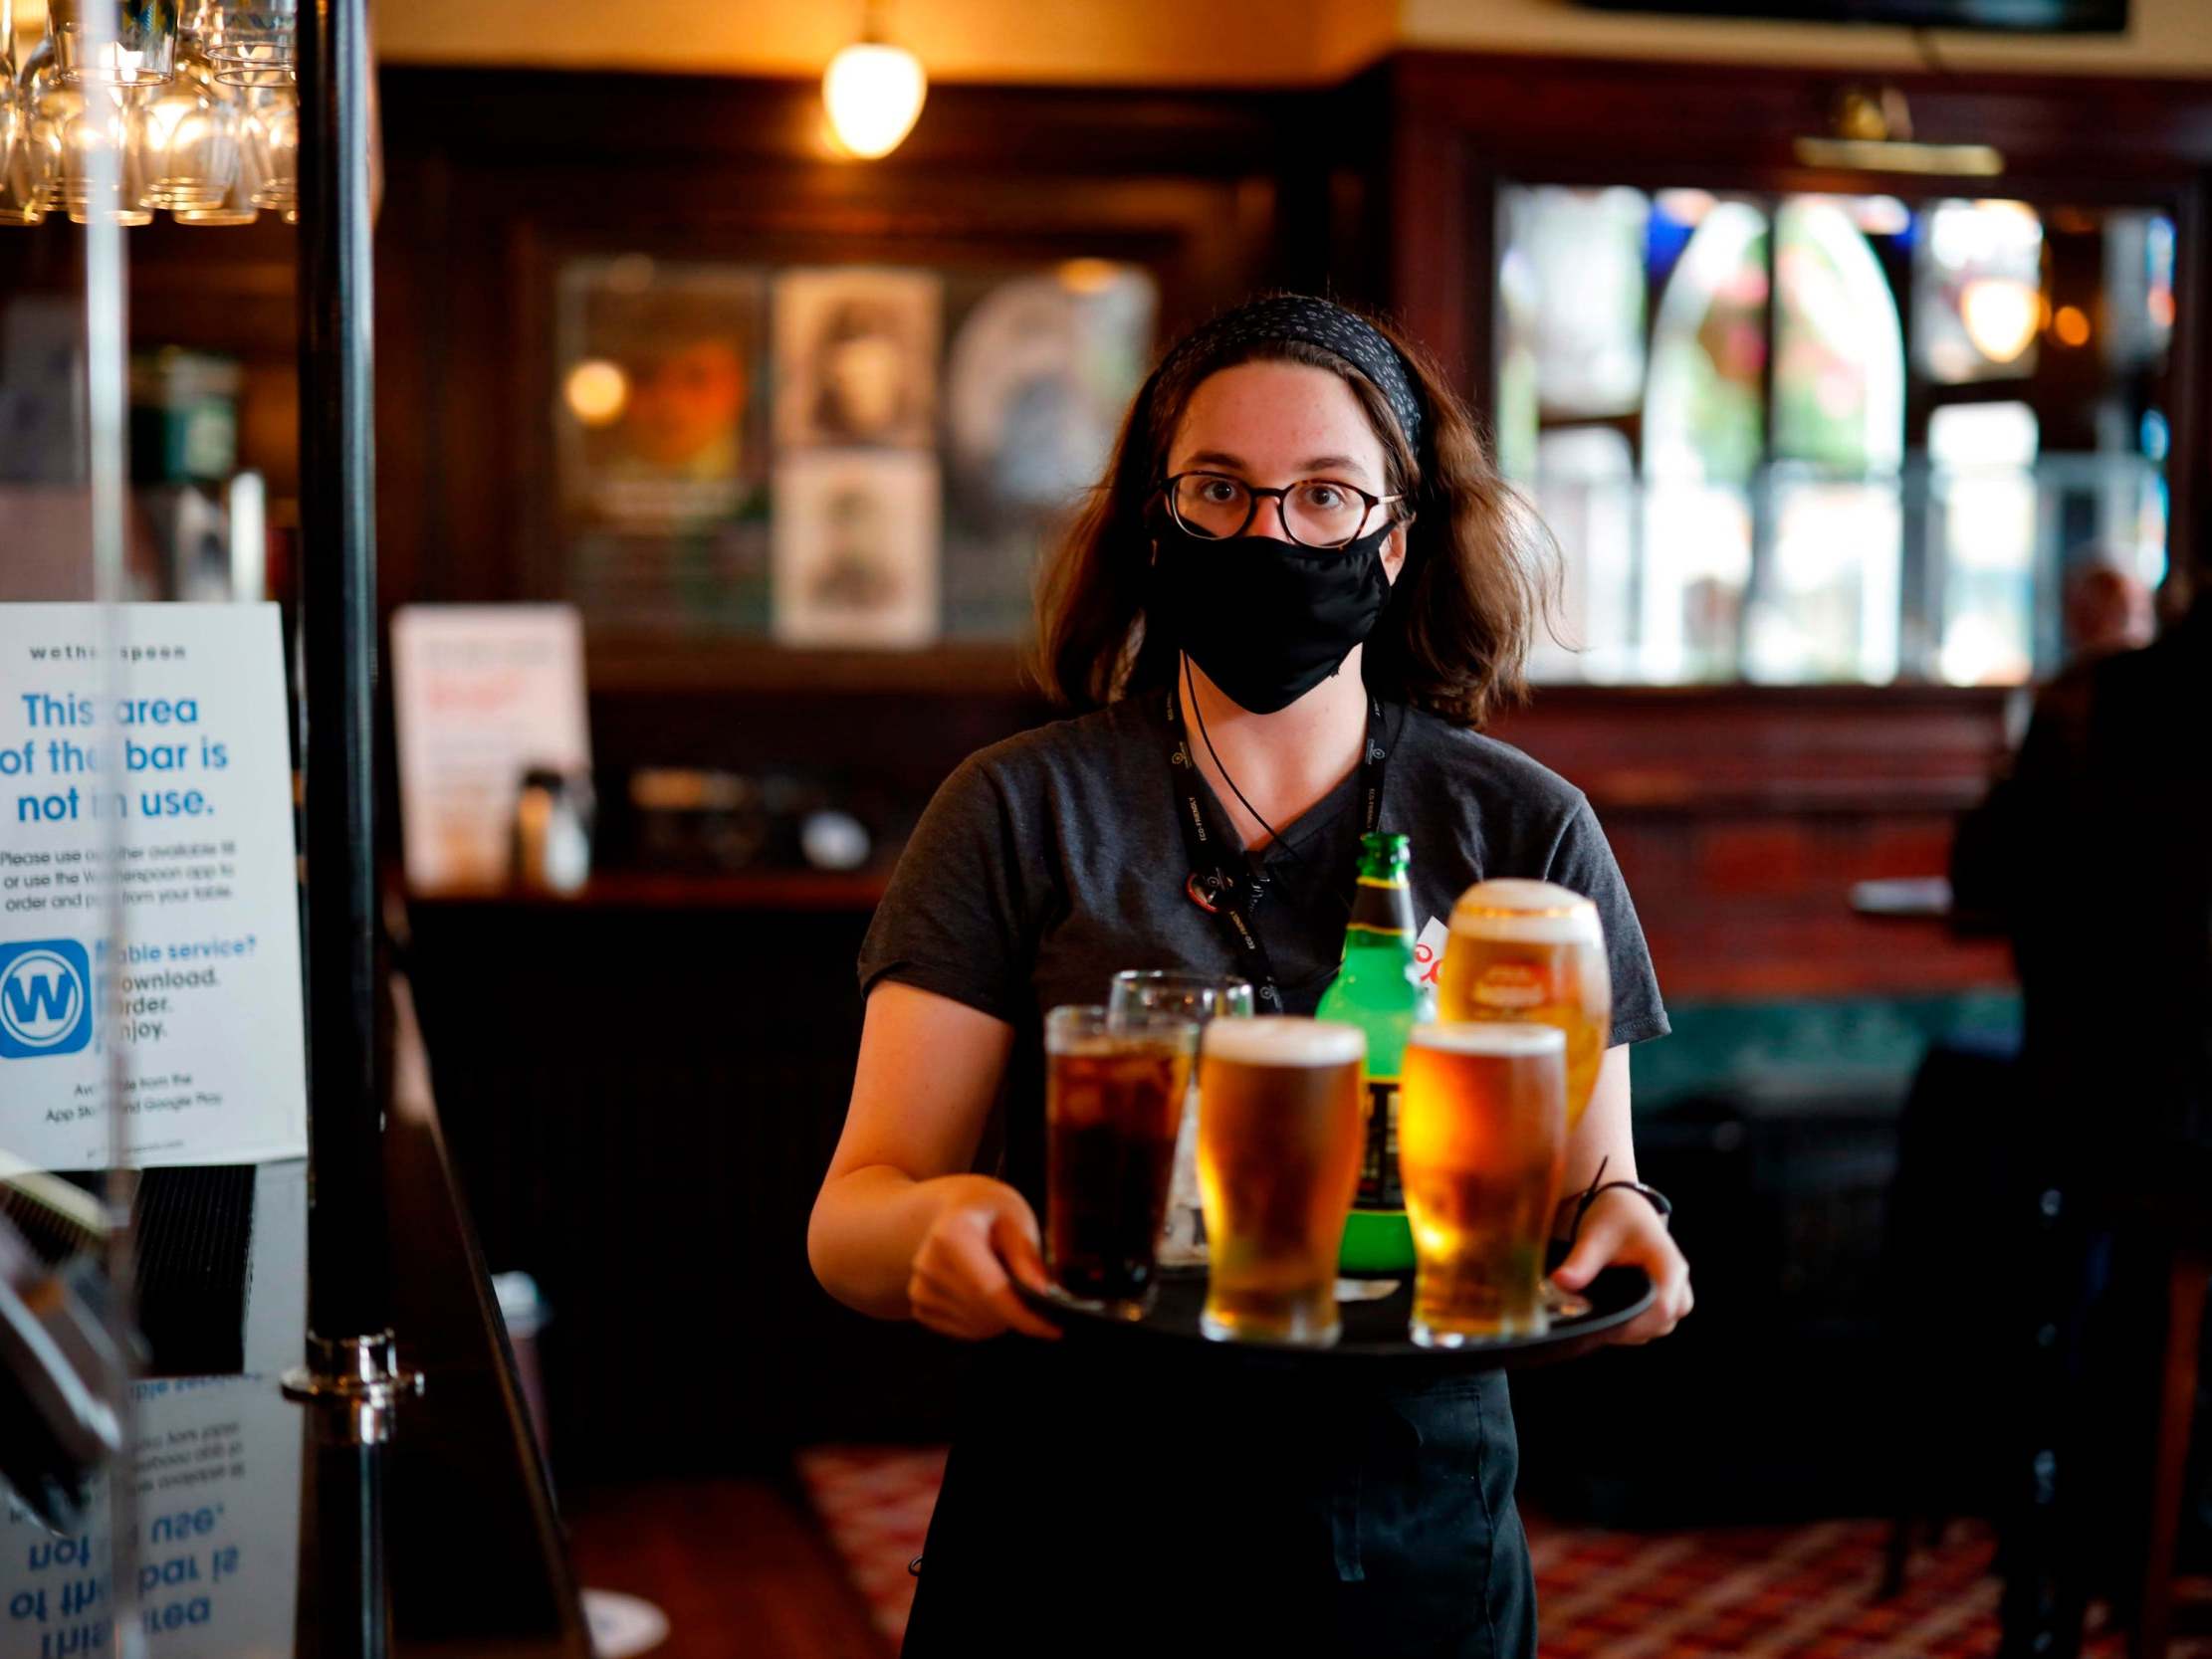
(983,1238)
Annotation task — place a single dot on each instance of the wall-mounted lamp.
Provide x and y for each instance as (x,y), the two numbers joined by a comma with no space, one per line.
(1872,132)
(873,92)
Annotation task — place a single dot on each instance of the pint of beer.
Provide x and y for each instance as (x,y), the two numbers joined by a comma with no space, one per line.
(1282,1110)
(1532,952)
(1482,1142)
(1114,1089)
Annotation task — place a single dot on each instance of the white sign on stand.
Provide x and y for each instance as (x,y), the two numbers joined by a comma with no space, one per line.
(170,757)
(482,694)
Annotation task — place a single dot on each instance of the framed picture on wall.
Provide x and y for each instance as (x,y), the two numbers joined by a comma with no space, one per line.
(1040,368)
(848,456)
(661,438)
(856,549)
(856,357)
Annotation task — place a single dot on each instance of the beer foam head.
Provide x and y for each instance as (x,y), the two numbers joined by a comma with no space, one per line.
(1286,1040)
(1497,1039)
(1525,913)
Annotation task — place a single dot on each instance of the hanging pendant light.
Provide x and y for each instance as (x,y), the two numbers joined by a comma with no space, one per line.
(873,92)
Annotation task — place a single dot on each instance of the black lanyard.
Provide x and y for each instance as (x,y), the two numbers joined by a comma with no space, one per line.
(1224,883)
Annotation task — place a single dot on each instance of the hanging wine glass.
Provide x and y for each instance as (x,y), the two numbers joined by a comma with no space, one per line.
(38,78)
(273,136)
(115,42)
(236,206)
(24,169)
(252,43)
(103,173)
(191,137)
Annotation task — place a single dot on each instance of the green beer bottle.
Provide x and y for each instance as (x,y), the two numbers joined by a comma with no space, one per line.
(1378,990)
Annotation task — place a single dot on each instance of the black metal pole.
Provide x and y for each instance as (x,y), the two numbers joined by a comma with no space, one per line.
(351,1379)
(345,1608)
(348,1285)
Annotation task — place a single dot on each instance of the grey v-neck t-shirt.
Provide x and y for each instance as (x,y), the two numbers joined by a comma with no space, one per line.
(1049,862)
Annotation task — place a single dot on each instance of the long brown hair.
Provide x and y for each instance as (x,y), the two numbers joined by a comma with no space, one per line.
(1479,567)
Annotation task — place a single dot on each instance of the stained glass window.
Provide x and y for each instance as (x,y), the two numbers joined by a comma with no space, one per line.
(1586,482)
(1829,608)
(1703,412)
(1703,433)
(1982,458)
(1811,481)
(1839,372)
(1978,300)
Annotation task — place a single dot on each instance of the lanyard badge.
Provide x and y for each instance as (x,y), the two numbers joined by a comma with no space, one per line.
(1232,895)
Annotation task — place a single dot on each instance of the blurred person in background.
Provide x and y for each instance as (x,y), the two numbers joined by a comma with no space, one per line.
(2108,609)
(2094,855)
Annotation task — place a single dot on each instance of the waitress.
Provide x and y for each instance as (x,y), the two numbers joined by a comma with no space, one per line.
(1302,582)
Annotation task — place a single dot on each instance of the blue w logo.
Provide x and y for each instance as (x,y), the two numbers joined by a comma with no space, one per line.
(45,998)
(40,997)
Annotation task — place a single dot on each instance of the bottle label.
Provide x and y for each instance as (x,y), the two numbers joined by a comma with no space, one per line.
(1511,985)
(1379,1189)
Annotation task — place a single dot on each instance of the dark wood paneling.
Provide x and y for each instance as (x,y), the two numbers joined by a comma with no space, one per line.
(497,178)
(1742,816)
(641,1100)
(1705,751)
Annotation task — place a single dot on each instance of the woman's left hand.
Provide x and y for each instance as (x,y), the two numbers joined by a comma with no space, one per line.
(1622,1229)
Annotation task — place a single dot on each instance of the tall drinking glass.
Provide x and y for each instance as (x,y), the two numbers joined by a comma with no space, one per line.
(252,43)
(271,139)
(1196,997)
(1535,951)
(24,163)
(1281,1121)
(192,139)
(1114,1091)
(116,42)
(1482,1141)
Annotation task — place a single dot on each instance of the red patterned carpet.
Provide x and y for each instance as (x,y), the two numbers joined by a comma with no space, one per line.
(1741,1593)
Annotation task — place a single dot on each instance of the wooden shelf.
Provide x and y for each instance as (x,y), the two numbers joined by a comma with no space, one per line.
(658,664)
(665,890)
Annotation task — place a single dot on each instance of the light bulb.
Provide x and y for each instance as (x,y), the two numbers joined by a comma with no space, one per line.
(598,392)
(2001,314)
(874,93)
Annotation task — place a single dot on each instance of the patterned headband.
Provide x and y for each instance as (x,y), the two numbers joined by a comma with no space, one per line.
(1322,322)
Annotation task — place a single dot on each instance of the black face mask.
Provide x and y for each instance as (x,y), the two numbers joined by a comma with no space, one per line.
(1267,620)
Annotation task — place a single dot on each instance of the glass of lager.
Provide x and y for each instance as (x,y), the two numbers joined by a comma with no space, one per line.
(1534,950)
(1482,1141)
(1114,1090)
(1194,996)
(1282,1106)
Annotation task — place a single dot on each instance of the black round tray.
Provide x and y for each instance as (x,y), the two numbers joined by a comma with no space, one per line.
(1375,1332)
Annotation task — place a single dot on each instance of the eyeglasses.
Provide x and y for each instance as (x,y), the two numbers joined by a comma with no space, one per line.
(1315,512)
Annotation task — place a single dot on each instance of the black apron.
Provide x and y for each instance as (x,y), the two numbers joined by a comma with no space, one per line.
(1209,1506)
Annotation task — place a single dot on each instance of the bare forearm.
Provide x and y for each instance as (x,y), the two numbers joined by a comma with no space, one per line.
(867,1225)
(1604,1137)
